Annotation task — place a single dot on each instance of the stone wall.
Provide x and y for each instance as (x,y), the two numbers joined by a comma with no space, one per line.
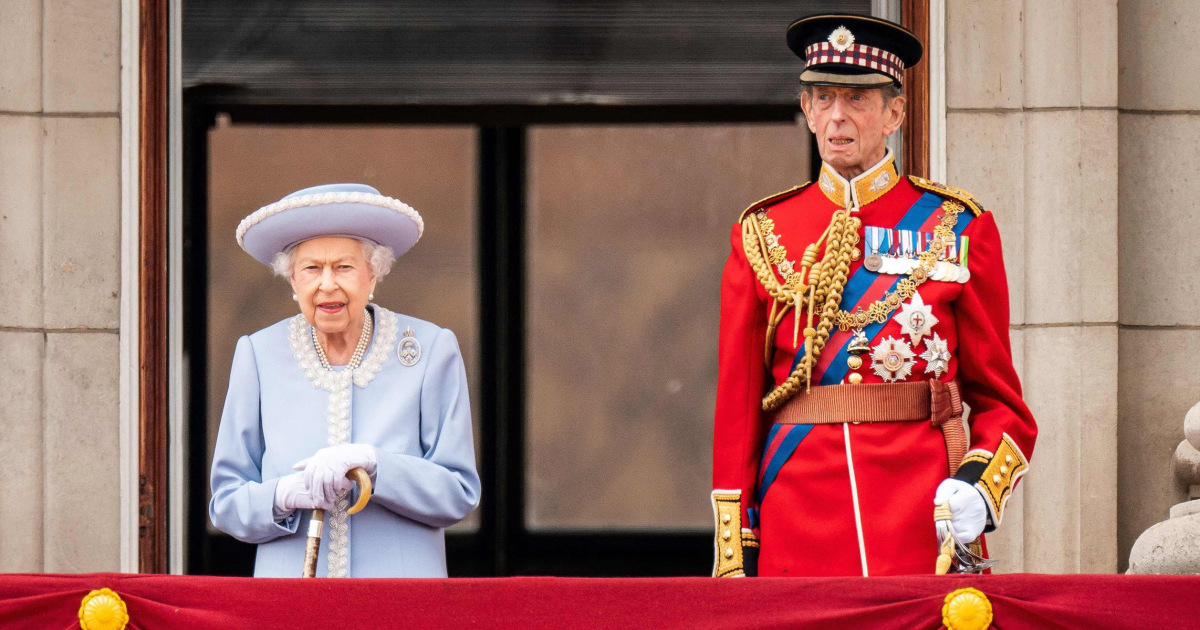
(60,279)
(1031,94)
(1160,287)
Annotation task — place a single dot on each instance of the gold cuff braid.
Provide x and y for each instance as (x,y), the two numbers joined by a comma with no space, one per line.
(1001,475)
(727,508)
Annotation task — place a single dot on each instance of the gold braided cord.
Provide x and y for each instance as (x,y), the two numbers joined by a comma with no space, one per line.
(827,291)
(880,310)
(754,245)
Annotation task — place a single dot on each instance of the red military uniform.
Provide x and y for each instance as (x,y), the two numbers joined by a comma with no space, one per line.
(849,498)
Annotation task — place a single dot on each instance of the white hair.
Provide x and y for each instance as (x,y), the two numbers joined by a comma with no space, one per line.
(379,257)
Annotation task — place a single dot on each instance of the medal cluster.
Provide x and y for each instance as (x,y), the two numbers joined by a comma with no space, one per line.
(879,311)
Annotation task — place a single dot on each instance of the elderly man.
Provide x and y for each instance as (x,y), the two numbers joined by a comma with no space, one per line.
(857,316)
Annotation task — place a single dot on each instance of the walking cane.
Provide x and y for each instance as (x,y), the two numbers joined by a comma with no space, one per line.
(313,544)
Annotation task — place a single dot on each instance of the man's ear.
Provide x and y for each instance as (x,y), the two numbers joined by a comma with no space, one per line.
(894,116)
(805,105)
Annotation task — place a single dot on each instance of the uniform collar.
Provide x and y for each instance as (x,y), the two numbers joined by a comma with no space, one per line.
(872,184)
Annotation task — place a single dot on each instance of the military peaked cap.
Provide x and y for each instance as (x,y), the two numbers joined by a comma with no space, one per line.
(852,50)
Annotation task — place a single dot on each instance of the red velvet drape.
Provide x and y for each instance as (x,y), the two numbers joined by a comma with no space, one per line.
(195,603)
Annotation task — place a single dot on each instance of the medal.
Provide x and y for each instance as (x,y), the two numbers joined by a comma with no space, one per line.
(874,261)
(936,355)
(892,248)
(916,318)
(892,360)
(858,345)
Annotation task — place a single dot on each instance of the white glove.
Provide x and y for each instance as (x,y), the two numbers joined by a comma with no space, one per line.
(968,511)
(292,494)
(325,471)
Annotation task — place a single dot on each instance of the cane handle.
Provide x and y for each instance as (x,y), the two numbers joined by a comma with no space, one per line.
(360,476)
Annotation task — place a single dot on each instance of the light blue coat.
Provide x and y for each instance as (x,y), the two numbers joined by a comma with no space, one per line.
(418,417)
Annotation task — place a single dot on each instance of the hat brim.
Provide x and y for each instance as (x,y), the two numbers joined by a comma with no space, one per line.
(816,76)
(278,229)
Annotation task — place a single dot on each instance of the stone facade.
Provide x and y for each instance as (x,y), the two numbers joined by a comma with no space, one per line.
(60,147)
(1081,142)
(1032,131)
(1160,291)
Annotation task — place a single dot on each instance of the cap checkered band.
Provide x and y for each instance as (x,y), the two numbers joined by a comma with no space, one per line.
(856,55)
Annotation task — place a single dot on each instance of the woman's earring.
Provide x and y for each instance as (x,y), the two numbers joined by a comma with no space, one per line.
(295,297)
(371,296)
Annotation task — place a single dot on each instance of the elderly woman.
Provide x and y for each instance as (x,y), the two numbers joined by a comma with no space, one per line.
(343,384)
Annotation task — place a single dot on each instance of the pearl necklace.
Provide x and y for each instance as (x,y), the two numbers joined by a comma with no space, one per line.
(363,340)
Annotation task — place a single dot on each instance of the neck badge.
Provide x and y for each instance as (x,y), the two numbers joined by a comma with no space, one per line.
(916,318)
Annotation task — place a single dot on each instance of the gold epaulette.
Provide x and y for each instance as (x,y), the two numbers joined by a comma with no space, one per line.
(776,197)
(943,190)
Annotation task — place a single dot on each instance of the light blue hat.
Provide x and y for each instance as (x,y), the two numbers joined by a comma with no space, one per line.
(355,210)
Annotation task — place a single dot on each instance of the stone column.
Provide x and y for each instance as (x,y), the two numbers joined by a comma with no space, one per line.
(1032,132)
(1160,287)
(59,274)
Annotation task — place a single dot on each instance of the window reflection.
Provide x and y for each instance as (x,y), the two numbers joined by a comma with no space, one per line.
(629,229)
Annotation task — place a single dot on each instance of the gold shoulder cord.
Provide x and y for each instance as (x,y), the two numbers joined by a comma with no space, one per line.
(831,272)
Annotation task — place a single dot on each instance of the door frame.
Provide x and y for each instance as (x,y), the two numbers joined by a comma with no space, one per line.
(151,385)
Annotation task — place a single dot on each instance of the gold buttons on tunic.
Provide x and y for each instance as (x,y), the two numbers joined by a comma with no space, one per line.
(1008,459)
(1004,470)
(855,378)
(996,478)
(728,552)
(725,518)
(726,535)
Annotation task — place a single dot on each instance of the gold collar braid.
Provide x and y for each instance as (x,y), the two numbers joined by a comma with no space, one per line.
(868,186)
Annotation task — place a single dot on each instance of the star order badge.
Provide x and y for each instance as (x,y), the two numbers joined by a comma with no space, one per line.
(409,351)
(916,318)
(936,355)
(892,359)
(841,39)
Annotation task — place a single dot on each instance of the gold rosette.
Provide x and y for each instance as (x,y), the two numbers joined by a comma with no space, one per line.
(103,610)
(967,609)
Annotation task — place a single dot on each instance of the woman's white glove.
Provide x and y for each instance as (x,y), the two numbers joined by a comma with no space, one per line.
(968,512)
(325,471)
(292,494)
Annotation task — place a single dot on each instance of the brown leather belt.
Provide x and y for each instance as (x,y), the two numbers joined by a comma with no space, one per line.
(938,402)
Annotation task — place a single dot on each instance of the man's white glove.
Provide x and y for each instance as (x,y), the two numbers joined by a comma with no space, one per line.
(292,494)
(325,471)
(968,511)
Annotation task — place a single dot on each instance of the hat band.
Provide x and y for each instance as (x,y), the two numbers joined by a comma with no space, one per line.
(855,55)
